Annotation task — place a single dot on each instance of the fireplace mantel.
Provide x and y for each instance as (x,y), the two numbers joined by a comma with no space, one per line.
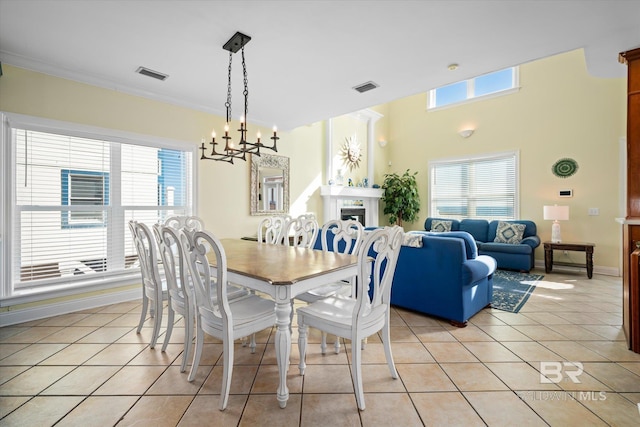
(335,196)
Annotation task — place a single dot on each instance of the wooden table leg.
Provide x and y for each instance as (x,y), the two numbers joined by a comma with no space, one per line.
(548,260)
(589,261)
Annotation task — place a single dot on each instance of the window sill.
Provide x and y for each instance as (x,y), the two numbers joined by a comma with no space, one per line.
(42,293)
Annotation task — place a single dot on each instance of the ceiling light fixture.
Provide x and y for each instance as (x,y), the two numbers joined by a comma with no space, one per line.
(240,150)
(453,67)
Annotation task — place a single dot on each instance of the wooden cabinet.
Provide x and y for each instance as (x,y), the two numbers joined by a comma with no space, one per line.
(631,286)
(631,230)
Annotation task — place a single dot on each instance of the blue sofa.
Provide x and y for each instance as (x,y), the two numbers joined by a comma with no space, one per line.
(519,256)
(445,277)
(441,275)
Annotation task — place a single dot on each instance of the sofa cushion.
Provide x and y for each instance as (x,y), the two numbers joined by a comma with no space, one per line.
(413,240)
(530,230)
(509,232)
(440,226)
(494,247)
(469,242)
(478,228)
(455,224)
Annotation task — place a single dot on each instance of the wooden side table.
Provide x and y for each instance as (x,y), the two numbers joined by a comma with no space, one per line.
(549,247)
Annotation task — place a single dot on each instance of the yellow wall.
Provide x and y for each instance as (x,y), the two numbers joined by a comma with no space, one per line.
(560,111)
(223,188)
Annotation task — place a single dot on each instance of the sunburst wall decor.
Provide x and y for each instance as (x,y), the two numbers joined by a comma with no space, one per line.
(351,153)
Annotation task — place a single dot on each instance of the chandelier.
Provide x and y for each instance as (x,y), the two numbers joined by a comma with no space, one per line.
(240,149)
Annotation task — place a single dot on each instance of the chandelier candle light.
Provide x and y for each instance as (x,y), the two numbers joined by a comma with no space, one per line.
(240,150)
(556,213)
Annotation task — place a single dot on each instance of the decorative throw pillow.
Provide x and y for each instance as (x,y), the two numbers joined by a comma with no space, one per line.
(509,232)
(412,240)
(439,226)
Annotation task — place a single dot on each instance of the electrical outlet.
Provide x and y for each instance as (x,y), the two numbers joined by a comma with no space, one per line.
(565,253)
(594,211)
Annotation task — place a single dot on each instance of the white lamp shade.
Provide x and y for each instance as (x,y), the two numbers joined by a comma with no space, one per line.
(556,213)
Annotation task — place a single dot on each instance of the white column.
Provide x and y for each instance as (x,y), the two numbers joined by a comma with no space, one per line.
(328,169)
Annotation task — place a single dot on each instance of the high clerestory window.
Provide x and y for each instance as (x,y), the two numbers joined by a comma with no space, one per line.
(485,86)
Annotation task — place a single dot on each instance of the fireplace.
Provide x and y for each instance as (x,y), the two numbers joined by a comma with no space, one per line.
(359,214)
(361,203)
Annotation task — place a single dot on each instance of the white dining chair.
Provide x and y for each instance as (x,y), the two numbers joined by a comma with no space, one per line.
(190,222)
(153,287)
(302,231)
(341,236)
(273,229)
(364,315)
(216,314)
(181,297)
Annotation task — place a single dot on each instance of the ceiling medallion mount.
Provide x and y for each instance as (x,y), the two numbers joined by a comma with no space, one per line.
(239,150)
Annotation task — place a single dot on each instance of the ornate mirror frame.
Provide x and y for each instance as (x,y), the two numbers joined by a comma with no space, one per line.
(270,162)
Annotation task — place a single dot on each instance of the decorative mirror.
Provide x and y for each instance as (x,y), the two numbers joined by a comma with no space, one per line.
(269,184)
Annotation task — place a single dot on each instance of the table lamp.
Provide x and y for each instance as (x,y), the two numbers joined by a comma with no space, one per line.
(556,213)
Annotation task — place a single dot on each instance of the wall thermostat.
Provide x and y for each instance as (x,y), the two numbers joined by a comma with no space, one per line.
(565,193)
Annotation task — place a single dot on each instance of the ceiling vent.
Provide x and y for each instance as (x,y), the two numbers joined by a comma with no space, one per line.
(364,87)
(150,73)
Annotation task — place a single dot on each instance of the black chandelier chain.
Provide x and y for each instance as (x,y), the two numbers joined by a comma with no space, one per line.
(228,103)
(231,150)
(246,85)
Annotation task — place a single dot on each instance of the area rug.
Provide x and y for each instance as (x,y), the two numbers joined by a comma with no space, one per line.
(511,289)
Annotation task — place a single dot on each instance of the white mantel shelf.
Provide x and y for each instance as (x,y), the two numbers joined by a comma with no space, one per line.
(350,192)
(334,195)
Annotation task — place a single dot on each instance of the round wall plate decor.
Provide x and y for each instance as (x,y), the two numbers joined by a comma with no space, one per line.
(564,168)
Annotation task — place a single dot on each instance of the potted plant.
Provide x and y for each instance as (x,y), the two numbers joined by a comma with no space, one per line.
(401,199)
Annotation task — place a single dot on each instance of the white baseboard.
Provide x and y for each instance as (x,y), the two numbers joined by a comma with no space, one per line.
(12,317)
(597,269)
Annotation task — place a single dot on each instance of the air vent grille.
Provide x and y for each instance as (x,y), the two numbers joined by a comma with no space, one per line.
(364,87)
(150,73)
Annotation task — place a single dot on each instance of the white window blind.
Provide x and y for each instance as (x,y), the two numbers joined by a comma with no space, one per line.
(481,187)
(74,197)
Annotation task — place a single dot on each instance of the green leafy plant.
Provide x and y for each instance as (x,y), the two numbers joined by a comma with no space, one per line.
(401,198)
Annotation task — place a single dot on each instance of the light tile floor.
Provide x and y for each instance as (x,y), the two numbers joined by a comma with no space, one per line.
(91,368)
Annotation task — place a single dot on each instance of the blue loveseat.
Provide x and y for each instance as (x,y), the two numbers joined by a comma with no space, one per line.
(444,276)
(512,256)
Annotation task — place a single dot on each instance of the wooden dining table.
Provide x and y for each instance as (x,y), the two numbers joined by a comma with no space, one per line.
(283,272)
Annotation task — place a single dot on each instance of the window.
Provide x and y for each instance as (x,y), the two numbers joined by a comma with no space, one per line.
(497,83)
(480,187)
(84,188)
(72,190)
